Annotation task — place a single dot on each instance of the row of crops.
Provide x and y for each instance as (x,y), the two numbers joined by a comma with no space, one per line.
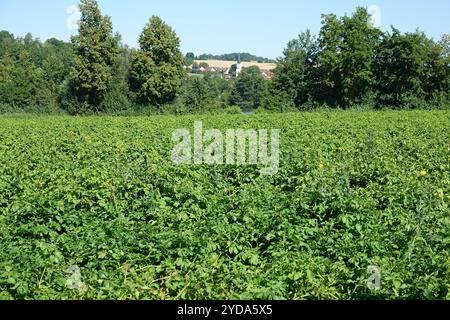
(100,196)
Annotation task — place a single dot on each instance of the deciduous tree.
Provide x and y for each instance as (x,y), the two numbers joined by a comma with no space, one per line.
(96,52)
(157,68)
(347,47)
(250,89)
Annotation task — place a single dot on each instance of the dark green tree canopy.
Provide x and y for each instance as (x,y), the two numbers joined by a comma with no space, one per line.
(198,95)
(96,52)
(31,73)
(296,68)
(157,68)
(189,59)
(409,65)
(249,91)
(347,47)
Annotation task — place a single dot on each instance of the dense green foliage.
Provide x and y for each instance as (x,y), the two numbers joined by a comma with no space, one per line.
(345,59)
(96,53)
(351,63)
(31,72)
(296,69)
(250,89)
(205,95)
(198,95)
(354,189)
(410,66)
(157,68)
(189,59)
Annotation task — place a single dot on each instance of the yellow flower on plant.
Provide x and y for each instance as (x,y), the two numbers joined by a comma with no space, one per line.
(321,166)
(423,173)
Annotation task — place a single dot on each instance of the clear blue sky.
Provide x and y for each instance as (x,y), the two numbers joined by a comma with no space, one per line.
(204,26)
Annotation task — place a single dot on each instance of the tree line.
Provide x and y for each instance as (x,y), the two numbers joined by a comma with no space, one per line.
(348,64)
(351,63)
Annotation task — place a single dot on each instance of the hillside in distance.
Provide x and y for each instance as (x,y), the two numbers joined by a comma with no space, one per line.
(245,57)
(227,64)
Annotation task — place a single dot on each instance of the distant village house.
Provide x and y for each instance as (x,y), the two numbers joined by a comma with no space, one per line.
(223,68)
